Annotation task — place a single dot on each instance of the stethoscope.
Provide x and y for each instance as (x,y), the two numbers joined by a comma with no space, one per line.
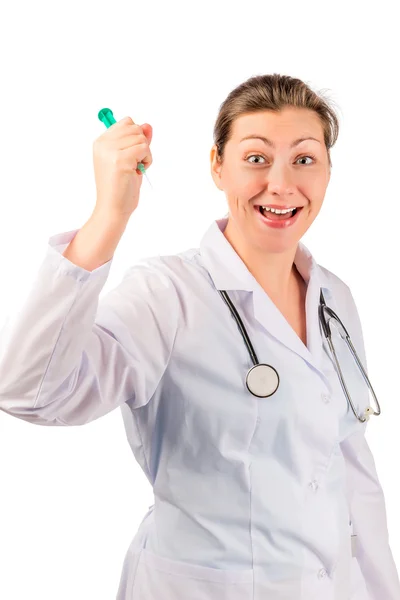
(262,380)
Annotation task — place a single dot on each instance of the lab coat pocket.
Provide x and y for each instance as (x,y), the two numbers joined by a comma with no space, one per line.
(159,578)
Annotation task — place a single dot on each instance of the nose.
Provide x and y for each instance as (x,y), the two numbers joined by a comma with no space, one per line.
(279,179)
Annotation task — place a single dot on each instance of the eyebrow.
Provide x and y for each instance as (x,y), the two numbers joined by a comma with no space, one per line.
(271,143)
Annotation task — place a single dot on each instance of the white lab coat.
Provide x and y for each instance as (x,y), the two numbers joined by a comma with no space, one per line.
(255,498)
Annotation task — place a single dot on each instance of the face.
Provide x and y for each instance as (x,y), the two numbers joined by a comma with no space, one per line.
(255,174)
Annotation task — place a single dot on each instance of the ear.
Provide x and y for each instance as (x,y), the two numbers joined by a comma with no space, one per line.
(216,167)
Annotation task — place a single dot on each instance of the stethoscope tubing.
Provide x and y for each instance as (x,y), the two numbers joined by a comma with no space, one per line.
(242,328)
(346,337)
(325,324)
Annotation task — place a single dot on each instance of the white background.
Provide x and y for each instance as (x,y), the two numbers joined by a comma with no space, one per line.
(72,498)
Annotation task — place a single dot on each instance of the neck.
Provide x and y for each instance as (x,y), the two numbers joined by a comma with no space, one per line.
(275,272)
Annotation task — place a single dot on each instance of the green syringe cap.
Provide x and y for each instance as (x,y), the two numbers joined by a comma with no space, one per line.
(106,116)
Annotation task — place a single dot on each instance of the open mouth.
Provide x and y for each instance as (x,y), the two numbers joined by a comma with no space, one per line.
(272,216)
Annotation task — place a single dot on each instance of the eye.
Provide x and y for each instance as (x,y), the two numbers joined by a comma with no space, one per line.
(308,156)
(258,156)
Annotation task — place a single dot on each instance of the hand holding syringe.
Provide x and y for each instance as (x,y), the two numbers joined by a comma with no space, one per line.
(120,156)
(107,117)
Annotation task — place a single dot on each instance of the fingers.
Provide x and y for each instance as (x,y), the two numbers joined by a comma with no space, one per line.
(129,140)
(140,153)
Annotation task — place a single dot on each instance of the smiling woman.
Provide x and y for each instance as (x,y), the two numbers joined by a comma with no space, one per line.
(262,481)
(271,157)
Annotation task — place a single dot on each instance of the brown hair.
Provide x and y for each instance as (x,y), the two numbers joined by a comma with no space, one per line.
(273,92)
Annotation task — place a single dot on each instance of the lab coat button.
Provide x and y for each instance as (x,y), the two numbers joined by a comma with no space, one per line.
(326,398)
(313,485)
(322,574)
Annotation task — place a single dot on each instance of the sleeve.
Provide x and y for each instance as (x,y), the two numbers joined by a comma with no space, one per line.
(67,358)
(366,501)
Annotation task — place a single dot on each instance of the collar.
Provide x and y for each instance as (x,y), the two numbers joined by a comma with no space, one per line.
(229,272)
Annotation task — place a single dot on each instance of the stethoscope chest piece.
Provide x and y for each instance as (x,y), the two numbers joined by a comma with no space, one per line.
(262,380)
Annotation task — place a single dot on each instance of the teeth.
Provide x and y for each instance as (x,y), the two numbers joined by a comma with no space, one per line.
(277,211)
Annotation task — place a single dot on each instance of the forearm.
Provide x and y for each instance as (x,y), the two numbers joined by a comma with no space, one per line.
(96,242)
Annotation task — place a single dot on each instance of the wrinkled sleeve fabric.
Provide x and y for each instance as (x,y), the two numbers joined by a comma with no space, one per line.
(366,500)
(67,357)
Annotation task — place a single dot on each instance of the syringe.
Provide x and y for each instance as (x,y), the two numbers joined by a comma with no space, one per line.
(106,116)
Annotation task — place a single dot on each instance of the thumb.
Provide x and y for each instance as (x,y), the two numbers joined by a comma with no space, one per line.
(148,131)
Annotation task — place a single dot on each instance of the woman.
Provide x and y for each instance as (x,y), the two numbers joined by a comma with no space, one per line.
(257,495)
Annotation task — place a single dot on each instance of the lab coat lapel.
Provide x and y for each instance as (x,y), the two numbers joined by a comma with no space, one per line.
(228,272)
(273,321)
